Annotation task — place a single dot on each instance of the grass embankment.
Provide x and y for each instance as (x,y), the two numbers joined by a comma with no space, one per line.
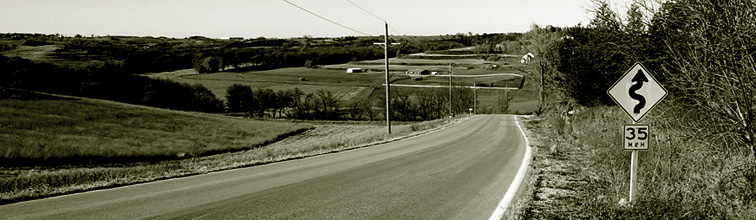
(581,171)
(166,132)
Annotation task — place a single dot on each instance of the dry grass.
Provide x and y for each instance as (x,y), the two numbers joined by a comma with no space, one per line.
(582,171)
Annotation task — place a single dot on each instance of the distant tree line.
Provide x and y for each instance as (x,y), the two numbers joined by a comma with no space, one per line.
(427,105)
(292,103)
(323,104)
(105,82)
(206,55)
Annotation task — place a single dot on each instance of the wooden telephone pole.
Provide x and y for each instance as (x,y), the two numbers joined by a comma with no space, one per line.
(475,98)
(385,45)
(451,111)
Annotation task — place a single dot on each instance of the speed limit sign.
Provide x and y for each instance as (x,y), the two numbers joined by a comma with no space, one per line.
(636,136)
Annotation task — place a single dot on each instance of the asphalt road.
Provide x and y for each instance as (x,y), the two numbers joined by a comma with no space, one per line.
(459,172)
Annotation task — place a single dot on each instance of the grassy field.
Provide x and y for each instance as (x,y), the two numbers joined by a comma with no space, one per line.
(21,183)
(36,53)
(54,130)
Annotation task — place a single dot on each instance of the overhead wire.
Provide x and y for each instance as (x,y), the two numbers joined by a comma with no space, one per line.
(376,16)
(329,20)
(366,11)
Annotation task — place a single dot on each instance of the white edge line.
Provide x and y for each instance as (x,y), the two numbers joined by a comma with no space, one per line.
(502,207)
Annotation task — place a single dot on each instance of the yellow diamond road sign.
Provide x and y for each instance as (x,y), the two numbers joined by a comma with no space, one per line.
(637,92)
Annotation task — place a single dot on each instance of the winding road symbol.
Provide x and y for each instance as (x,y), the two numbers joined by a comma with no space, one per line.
(639,78)
(637,92)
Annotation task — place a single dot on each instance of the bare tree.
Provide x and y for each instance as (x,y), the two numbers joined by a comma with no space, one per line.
(539,42)
(714,70)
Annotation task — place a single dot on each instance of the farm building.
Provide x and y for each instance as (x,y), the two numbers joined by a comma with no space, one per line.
(354,70)
(526,58)
(419,72)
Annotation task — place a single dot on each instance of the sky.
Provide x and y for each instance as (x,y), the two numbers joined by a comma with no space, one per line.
(279,19)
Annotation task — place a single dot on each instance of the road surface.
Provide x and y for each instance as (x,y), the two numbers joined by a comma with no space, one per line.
(459,172)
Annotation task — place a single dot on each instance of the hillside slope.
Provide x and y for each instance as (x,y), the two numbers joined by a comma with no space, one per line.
(49,130)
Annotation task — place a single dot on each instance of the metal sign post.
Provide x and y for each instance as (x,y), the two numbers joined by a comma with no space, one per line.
(636,138)
(637,92)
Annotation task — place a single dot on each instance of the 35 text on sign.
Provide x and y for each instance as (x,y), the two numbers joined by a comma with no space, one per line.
(636,136)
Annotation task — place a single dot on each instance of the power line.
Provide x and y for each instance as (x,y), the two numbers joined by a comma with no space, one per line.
(376,16)
(395,31)
(303,9)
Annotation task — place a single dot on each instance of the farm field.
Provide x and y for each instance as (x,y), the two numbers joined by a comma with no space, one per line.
(350,88)
(459,66)
(346,87)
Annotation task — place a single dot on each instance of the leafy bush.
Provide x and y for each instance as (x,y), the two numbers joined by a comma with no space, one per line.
(240,98)
(169,94)
(208,64)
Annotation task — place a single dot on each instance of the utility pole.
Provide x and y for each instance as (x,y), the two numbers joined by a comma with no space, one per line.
(451,111)
(385,45)
(475,99)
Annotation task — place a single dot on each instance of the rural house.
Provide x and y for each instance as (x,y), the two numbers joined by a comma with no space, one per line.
(526,58)
(419,72)
(354,70)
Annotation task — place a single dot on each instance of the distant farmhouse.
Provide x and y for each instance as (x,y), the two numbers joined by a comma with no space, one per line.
(354,70)
(526,59)
(419,72)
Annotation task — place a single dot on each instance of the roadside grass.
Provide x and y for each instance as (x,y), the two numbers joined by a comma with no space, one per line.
(62,131)
(23,183)
(582,172)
